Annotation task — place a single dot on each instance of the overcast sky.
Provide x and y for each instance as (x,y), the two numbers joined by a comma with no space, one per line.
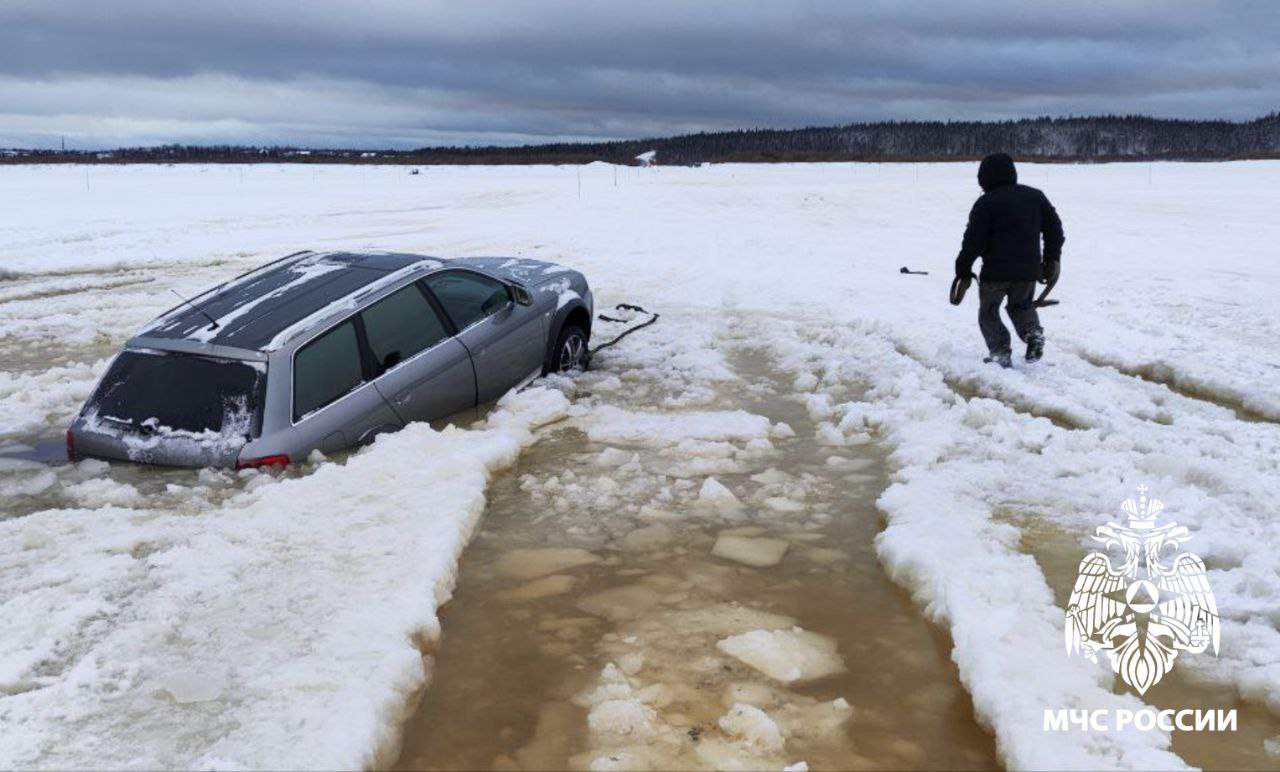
(384,73)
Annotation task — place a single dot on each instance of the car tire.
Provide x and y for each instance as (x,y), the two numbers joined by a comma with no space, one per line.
(570,351)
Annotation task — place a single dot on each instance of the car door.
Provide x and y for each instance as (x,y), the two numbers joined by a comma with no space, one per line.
(421,370)
(504,338)
(335,404)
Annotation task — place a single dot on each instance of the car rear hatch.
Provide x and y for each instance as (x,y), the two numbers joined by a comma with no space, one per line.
(172,408)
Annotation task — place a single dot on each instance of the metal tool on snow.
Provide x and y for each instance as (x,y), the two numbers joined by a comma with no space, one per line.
(1053,269)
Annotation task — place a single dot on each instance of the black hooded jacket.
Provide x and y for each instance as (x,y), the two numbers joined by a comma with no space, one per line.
(1005,226)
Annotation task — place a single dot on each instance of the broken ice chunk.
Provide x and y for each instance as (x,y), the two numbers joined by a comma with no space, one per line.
(753,726)
(828,434)
(856,464)
(753,551)
(628,717)
(651,514)
(621,603)
(547,586)
(824,556)
(532,563)
(647,539)
(772,476)
(746,530)
(631,662)
(614,457)
(786,655)
(715,495)
(782,504)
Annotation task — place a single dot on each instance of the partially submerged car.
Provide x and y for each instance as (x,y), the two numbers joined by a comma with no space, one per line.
(326,351)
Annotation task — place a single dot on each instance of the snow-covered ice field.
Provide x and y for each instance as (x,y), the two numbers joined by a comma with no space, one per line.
(210,619)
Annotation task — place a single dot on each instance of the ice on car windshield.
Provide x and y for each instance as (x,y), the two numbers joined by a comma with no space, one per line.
(157,392)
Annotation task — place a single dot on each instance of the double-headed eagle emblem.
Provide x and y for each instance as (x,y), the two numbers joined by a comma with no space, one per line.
(1153,604)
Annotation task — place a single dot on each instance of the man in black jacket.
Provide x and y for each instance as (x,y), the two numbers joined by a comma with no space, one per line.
(1004,229)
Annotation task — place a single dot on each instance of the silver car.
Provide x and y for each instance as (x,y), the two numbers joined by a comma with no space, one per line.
(324,351)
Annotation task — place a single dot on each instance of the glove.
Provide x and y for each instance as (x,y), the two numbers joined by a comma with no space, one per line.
(1049,270)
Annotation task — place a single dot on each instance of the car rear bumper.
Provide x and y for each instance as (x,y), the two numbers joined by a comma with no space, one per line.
(93,441)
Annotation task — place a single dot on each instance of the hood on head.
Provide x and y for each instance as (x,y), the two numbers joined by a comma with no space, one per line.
(995,170)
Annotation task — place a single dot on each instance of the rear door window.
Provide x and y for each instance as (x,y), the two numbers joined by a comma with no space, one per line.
(325,369)
(401,325)
(468,297)
(162,392)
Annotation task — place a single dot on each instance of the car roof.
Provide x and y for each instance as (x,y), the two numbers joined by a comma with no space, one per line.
(253,310)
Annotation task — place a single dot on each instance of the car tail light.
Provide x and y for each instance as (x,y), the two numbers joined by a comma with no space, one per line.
(71,445)
(263,462)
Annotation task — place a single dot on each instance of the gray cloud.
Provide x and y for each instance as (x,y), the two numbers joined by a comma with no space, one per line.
(405,74)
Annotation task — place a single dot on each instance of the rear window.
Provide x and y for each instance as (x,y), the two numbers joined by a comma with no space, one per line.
(161,392)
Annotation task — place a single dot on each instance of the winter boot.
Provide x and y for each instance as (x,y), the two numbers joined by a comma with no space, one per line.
(1035,346)
(1002,358)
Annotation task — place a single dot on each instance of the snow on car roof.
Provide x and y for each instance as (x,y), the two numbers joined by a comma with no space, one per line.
(252,310)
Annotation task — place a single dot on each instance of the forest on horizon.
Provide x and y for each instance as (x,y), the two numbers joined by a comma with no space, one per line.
(1086,139)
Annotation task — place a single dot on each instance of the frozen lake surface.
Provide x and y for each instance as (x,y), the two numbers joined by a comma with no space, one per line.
(214,619)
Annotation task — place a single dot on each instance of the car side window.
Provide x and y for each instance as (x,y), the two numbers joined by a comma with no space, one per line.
(468,297)
(325,369)
(401,325)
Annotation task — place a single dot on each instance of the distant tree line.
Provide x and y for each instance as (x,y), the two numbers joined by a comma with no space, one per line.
(1101,138)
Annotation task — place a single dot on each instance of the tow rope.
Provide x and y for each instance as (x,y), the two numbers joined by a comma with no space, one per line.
(621,307)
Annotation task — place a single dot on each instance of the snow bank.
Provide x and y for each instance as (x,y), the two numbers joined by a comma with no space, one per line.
(30,402)
(279,630)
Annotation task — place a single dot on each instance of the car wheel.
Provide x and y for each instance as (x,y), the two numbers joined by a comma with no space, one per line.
(570,352)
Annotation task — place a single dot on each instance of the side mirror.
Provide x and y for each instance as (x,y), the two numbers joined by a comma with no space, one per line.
(519,294)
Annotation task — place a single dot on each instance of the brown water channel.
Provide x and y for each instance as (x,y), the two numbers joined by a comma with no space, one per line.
(583,632)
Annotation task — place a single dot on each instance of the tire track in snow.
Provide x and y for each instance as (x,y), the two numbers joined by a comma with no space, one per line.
(1184,386)
(46,292)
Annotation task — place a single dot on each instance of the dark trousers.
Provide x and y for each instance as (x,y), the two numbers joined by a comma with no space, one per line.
(1026,322)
